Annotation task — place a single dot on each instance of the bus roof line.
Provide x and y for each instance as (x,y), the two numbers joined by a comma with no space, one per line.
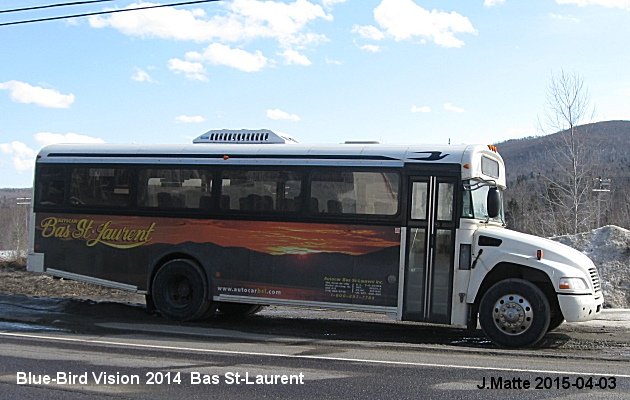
(221,156)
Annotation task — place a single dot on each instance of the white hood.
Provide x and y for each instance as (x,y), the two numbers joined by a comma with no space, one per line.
(557,261)
(527,245)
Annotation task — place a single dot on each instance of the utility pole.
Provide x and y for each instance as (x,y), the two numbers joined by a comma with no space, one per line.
(602,185)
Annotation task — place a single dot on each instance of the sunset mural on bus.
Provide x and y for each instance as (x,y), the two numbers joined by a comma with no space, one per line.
(282,259)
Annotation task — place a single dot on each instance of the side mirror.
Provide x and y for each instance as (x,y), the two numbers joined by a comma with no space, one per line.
(493,202)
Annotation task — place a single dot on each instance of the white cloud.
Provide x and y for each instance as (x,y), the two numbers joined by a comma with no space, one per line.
(492,3)
(221,54)
(292,57)
(452,108)
(23,157)
(420,109)
(190,119)
(370,48)
(623,4)
(243,21)
(22,92)
(332,61)
(277,114)
(284,22)
(406,20)
(561,17)
(48,138)
(164,23)
(192,70)
(141,75)
(331,3)
(368,32)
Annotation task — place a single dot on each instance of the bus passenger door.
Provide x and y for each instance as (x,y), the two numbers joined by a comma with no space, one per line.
(428,269)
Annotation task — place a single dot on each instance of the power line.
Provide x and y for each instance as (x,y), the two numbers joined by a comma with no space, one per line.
(28,21)
(74,3)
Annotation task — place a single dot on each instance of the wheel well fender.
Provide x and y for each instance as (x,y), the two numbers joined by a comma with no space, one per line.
(170,257)
(504,271)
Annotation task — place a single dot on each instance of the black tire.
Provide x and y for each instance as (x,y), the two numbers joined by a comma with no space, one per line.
(238,310)
(150,304)
(514,313)
(555,320)
(180,291)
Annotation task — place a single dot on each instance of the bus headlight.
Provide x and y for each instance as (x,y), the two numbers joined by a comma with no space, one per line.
(572,284)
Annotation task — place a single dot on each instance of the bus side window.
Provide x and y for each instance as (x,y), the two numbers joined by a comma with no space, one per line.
(334,207)
(101,187)
(205,203)
(51,186)
(258,191)
(175,188)
(354,192)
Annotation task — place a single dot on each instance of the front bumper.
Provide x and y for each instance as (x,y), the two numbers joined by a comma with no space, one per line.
(580,307)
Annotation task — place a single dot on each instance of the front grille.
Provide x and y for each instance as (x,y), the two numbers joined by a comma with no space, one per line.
(597,286)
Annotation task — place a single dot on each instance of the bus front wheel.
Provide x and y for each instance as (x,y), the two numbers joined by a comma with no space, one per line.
(556,320)
(180,292)
(514,313)
(238,310)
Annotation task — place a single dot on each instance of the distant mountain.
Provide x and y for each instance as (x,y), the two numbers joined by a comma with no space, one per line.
(609,142)
(8,195)
(527,159)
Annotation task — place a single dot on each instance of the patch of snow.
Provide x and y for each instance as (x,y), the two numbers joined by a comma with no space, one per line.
(609,248)
(11,255)
(7,255)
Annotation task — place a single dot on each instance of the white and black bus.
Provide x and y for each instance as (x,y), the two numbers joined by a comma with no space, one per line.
(241,219)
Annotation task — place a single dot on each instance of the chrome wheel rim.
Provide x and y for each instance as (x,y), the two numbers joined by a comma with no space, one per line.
(513,314)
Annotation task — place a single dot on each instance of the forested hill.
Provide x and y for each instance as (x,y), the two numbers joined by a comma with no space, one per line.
(608,141)
(606,148)
(13,215)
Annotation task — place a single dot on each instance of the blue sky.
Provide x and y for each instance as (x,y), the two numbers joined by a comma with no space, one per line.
(324,71)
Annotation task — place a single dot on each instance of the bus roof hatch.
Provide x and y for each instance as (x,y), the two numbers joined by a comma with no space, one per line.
(249,136)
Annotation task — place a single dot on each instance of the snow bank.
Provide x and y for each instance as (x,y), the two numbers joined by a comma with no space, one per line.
(609,248)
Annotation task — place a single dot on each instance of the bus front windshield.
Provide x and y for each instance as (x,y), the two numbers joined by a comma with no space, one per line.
(474,203)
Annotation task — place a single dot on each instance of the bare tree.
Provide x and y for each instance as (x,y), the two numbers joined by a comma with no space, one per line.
(567,187)
(14,213)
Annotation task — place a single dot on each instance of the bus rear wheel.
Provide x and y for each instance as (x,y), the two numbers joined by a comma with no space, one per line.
(514,313)
(180,292)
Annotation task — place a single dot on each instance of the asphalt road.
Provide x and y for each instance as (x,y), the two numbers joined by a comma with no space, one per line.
(64,350)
